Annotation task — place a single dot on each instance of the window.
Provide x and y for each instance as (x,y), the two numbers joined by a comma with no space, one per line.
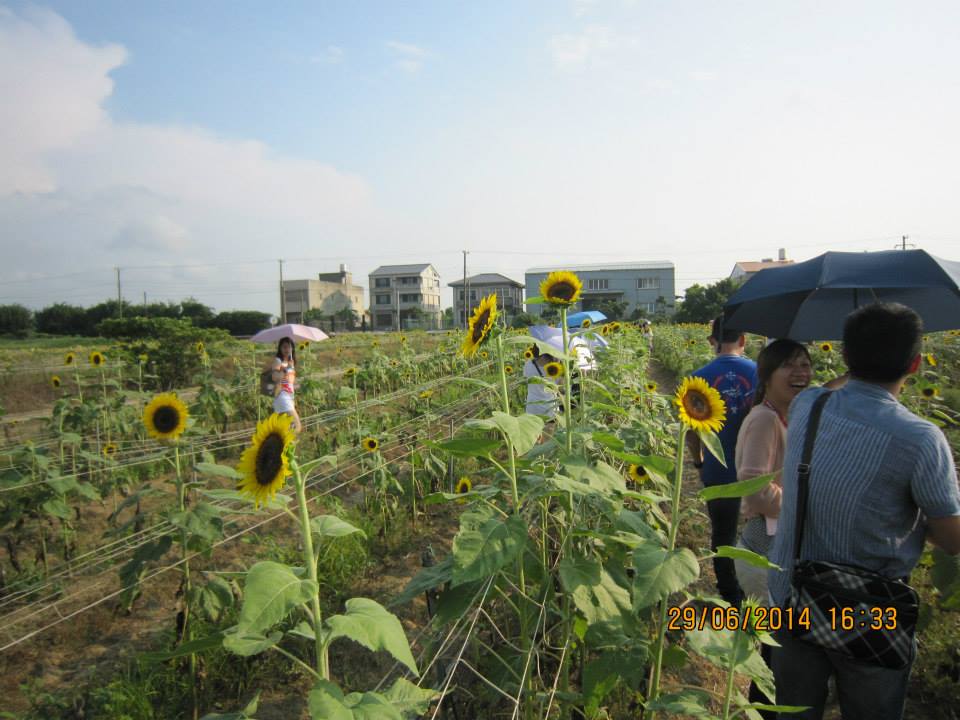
(294,296)
(648,283)
(409,297)
(460,296)
(383,299)
(409,281)
(473,295)
(381,282)
(650,308)
(598,284)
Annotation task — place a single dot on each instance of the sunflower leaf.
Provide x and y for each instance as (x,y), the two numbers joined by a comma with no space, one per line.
(246,644)
(523,430)
(369,623)
(659,572)
(225,471)
(468,446)
(711,441)
(332,526)
(742,488)
(306,467)
(271,591)
(485,544)
(748,556)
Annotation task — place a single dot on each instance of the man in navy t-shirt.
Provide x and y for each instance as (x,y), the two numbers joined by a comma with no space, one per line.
(735,378)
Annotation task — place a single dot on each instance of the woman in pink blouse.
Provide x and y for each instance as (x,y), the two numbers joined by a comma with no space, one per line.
(783,370)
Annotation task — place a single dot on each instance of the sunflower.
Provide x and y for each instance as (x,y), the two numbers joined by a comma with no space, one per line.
(55,382)
(528,354)
(931,360)
(403,339)
(480,325)
(605,330)
(586,323)
(143,358)
(69,358)
(97,359)
(375,343)
(303,346)
(508,369)
(930,392)
(484,355)
(651,386)
(394,363)
(265,465)
(464,486)
(561,288)
(637,399)
(553,370)
(200,347)
(613,327)
(426,394)
(110,449)
(700,406)
(638,473)
(165,417)
(350,372)
(826,347)
(339,350)
(370,444)
(691,342)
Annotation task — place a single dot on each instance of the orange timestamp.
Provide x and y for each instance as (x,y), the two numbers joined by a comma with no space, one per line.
(772,619)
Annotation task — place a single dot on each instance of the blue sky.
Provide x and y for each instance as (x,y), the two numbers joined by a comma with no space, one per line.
(144,135)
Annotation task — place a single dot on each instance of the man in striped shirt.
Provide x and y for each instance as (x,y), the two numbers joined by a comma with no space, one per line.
(882,482)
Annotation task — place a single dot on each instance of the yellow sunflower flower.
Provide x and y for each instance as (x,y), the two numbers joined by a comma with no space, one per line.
(528,354)
(508,369)
(55,382)
(200,347)
(97,358)
(143,358)
(930,392)
(561,288)
(637,399)
(110,449)
(931,360)
(265,464)
(394,363)
(370,444)
(426,394)
(69,358)
(350,372)
(479,326)
(303,346)
(586,323)
(700,406)
(826,347)
(651,386)
(691,342)
(403,339)
(464,485)
(638,473)
(165,417)
(484,355)
(553,370)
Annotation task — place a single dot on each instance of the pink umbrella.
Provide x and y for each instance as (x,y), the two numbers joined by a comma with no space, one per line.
(297,332)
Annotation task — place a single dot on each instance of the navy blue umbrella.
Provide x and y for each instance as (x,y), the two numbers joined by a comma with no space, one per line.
(810,300)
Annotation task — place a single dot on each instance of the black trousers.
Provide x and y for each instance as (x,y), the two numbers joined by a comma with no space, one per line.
(724,518)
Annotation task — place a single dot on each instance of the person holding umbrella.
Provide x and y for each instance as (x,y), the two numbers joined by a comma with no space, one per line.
(284,378)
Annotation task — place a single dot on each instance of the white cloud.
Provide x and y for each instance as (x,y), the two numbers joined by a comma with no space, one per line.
(592,46)
(407,57)
(332,55)
(79,189)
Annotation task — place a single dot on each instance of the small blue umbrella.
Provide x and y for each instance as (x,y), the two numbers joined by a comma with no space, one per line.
(576,319)
(811,300)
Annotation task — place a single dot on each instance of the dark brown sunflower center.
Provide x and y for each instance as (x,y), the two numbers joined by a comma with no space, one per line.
(562,290)
(696,405)
(928,392)
(478,327)
(269,459)
(166,418)
(97,360)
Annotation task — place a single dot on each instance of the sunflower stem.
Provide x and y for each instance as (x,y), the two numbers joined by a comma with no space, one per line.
(323,666)
(184,538)
(655,669)
(566,381)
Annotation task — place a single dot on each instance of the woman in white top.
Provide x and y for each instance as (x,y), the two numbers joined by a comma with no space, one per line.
(285,377)
(541,399)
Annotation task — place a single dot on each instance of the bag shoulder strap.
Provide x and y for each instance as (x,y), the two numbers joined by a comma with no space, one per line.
(803,472)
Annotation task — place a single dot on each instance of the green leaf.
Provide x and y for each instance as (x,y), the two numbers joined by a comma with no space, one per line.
(246,714)
(270,592)
(711,442)
(523,430)
(659,572)
(189,648)
(608,440)
(748,556)
(607,407)
(600,476)
(659,465)
(603,674)
(214,597)
(485,544)
(409,699)
(427,579)
(468,446)
(246,644)
(201,521)
(332,526)
(306,467)
(224,471)
(57,508)
(438,498)
(742,488)
(62,485)
(373,626)
(327,702)
(595,593)
(85,489)
(685,702)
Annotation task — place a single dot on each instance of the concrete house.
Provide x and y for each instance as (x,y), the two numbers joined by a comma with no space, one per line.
(509,294)
(745,269)
(329,293)
(649,286)
(405,297)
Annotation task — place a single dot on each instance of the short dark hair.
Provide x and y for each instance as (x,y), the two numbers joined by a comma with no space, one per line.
(729,335)
(772,357)
(881,340)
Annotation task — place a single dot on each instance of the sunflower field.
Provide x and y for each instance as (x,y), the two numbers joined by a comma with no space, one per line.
(423,548)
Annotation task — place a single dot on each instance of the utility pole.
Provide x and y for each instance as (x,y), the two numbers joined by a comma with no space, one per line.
(465,296)
(119,296)
(903,243)
(144,299)
(396,296)
(283,304)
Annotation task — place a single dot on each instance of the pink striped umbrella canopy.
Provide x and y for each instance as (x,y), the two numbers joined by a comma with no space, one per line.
(299,333)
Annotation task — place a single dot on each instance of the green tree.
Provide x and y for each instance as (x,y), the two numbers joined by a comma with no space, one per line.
(101,311)
(15,320)
(702,303)
(613,309)
(241,322)
(522,320)
(193,309)
(61,319)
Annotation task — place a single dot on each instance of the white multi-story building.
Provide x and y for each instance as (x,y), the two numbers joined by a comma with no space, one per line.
(647,286)
(405,296)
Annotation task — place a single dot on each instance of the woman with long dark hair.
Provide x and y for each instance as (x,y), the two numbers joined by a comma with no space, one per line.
(284,378)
